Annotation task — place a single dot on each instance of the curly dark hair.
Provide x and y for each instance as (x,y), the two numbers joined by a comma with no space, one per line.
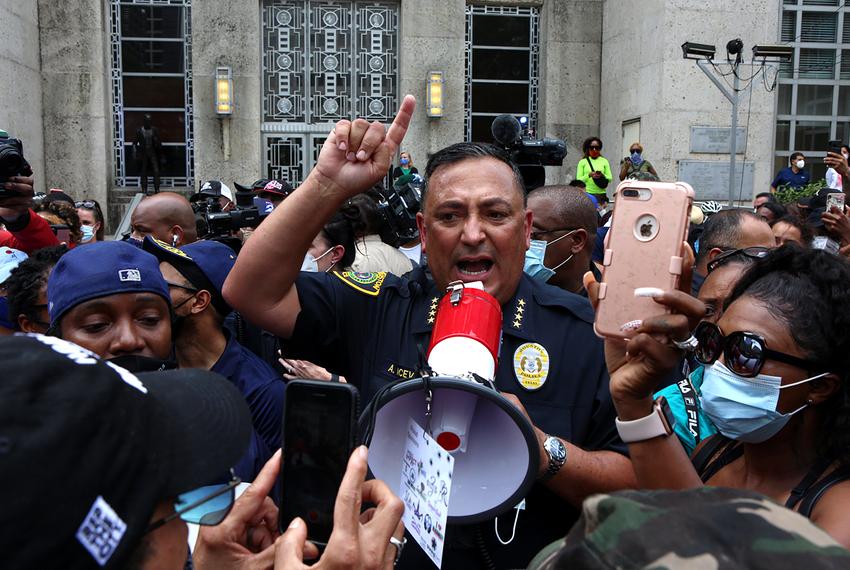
(67,213)
(794,221)
(809,290)
(27,279)
(585,146)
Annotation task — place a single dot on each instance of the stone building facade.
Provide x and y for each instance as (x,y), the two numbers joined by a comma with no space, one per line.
(80,74)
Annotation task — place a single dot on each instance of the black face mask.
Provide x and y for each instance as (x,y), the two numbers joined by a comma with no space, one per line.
(136,363)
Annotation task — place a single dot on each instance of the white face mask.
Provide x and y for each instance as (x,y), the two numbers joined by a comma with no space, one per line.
(800,164)
(88,233)
(311,264)
(845,155)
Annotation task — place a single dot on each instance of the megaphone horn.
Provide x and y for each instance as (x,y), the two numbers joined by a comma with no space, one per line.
(494,446)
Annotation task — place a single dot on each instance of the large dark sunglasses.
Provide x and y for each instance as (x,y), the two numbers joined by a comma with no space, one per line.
(206,505)
(593,147)
(744,353)
(726,256)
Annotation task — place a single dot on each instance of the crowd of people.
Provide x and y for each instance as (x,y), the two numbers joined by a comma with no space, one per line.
(144,376)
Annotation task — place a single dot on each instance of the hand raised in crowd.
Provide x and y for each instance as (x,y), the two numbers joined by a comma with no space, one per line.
(359,540)
(838,224)
(22,189)
(245,539)
(838,162)
(357,153)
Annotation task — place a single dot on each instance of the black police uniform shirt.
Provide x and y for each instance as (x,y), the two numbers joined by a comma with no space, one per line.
(373,327)
(262,387)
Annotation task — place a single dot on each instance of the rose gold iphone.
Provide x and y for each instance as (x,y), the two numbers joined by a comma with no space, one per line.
(643,249)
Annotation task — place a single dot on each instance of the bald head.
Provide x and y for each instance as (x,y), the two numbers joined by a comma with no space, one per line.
(167,216)
(565,207)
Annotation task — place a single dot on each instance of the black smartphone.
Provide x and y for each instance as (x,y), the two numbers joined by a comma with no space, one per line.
(319,432)
(835,146)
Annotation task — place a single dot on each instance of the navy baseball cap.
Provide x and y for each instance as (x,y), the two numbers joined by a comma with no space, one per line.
(205,264)
(98,270)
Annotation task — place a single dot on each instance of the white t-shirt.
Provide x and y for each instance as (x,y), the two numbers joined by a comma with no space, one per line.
(413,253)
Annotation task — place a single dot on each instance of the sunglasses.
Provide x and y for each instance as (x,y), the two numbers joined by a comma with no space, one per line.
(89,204)
(726,256)
(595,147)
(206,505)
(744,353)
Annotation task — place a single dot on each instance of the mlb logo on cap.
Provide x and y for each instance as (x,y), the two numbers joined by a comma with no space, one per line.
(129,275)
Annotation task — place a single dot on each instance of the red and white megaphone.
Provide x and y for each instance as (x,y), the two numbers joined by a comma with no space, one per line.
(493,444)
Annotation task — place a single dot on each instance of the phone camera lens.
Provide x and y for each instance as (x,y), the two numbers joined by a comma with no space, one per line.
(630,193)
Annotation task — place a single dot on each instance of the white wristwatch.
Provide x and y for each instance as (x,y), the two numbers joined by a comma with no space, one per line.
(658,423)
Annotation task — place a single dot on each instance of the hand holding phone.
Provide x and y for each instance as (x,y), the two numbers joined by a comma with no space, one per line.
(835,200)
(319,430)
(643,250)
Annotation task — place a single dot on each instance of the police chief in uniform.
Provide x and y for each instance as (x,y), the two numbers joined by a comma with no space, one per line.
(373,327)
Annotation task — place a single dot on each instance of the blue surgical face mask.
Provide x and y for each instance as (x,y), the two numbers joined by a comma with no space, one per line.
(88,233)
(311,263)
(404,161)
(534,255)
(636,158)
(744,409)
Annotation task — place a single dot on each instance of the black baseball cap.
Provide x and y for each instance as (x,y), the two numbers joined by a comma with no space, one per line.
(255,187)
(88,449)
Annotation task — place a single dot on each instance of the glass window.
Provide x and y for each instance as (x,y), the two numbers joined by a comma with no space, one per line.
(789,26)
(784,106)
(811,135)
(500,31)
(845,64)
(844,100)
(783,135)
(817,63)
(152,57)
(818,27)
(814,99)
(820,2)
(499,64)
(151,22)
(151,64)
(488,93)
(842,131)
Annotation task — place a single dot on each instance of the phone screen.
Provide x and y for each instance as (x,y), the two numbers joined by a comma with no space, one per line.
(318,437)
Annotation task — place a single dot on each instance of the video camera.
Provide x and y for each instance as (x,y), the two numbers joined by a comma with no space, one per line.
(12,161)
(214,223)
(529,153)
(399,206)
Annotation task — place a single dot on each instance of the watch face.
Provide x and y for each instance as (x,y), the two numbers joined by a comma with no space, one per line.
(556,449)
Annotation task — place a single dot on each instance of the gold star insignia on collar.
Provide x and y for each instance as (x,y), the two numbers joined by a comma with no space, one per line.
(520,312)
(432,312)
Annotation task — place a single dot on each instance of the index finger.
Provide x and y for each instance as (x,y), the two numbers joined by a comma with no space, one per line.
(251,501)
(401,122)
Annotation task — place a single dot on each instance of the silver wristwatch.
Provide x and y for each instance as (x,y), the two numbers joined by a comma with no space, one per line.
(557,453)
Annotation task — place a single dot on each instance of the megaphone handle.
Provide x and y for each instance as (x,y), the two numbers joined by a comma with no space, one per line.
(429,397)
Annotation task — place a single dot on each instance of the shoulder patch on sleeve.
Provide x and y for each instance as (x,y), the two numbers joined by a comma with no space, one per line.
(367,283)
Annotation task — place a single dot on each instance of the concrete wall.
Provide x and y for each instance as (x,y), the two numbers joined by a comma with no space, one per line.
(226,33)
(644,76)
(432,38)
(75,71)
(20,68)
(570,61)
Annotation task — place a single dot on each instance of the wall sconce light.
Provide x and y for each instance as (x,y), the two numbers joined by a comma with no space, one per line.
(435,94)
(223,91)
